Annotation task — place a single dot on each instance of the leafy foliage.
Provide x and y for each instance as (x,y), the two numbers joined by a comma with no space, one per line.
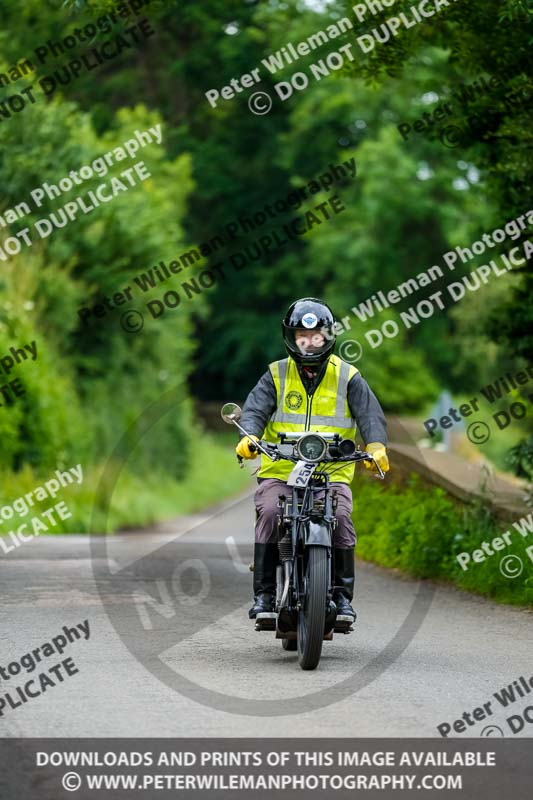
(420,531)
(90,381)
(412,201)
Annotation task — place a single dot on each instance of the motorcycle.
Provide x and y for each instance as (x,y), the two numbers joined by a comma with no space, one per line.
(305,614)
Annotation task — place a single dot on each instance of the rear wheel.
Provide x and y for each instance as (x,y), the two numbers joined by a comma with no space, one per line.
(312,616)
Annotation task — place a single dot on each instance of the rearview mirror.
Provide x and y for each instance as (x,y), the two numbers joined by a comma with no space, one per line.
(231,413)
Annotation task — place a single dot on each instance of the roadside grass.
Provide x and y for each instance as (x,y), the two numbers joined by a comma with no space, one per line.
(212,476)
(420,531)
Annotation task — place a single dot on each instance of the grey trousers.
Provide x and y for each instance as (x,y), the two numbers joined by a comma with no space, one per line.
(266,504)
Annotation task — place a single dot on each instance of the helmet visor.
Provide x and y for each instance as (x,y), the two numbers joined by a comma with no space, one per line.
(309,342)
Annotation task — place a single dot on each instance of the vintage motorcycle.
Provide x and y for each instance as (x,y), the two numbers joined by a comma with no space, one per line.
(305,614)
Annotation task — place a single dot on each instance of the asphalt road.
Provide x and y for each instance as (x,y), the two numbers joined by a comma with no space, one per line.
(187,662)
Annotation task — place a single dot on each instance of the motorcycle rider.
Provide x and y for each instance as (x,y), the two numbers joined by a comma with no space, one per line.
(314,390)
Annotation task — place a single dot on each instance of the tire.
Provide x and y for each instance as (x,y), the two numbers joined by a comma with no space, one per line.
(312,617)
(289,644)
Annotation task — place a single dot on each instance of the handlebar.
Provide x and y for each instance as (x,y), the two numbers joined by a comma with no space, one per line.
(359,455)
(252,448)
(273,452)
(231,414)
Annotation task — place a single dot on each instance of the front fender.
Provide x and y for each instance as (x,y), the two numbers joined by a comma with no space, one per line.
(316,533)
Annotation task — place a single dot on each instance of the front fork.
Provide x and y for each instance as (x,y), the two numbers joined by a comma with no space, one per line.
(290,573)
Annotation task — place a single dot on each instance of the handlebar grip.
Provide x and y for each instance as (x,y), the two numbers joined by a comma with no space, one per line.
(379,471)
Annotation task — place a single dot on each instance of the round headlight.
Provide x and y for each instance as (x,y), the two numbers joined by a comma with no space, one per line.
(311,447)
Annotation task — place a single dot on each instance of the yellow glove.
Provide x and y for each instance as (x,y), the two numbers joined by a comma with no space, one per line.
(243,448)
(379,452)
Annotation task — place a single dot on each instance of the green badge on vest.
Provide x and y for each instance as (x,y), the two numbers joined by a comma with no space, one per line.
(294,400)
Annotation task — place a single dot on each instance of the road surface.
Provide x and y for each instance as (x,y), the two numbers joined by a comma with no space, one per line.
(188,663)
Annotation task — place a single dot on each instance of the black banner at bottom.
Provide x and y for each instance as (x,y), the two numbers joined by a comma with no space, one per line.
(54,769)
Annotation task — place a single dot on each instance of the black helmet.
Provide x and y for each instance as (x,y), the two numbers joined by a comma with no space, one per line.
(305,316)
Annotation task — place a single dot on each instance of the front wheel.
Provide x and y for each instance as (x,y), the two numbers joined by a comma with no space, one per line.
(312,615)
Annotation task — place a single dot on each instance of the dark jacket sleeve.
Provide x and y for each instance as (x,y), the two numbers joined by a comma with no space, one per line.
(366,410)
(259,406)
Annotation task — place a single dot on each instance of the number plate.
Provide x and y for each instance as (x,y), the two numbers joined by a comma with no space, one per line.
(301,474)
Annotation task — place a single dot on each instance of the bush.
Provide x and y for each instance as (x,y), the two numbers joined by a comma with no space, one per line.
(420,531)
(90,383)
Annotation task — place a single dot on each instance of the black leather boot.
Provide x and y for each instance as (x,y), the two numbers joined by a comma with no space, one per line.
(265,562)
(344,581)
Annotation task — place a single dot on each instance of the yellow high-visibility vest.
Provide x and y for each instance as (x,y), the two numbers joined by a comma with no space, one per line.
(326,411)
